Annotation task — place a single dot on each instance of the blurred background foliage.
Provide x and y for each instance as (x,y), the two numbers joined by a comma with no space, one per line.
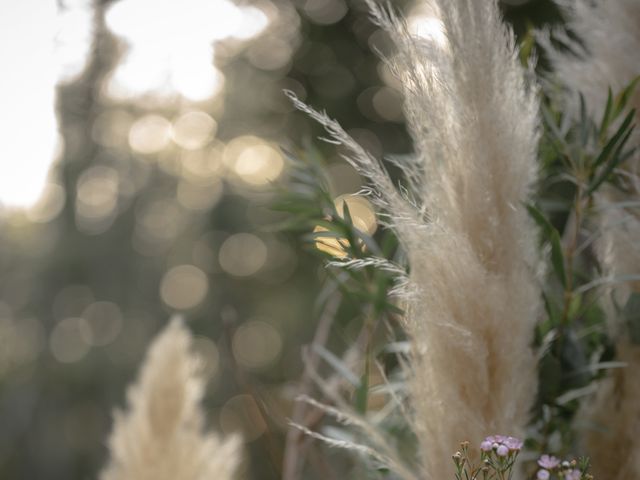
(158,201)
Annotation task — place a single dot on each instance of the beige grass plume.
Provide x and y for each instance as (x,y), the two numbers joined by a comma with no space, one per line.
(473,295)
(160,436)
(609,32)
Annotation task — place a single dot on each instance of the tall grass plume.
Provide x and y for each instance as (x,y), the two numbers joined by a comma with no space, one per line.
(473,296)
(161,435)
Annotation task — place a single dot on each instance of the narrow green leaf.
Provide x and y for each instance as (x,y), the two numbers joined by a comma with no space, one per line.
(346,213)
(615,160)
(606,116)
(552,124)
(552,235)
(553,312)
(622,100)
(370,243)
(362,392)
(313,236)
(527,46)
(631,315)
(539,218)
(584,122)
(608,148)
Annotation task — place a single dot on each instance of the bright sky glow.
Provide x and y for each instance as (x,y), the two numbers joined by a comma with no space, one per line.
(41,45)
(171,45)
(46,42)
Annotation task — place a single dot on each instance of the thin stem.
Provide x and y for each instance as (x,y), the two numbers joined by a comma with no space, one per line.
(570,253)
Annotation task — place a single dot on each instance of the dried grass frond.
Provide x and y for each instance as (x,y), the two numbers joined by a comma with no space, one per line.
(475,126)
(161,435)
(469,242)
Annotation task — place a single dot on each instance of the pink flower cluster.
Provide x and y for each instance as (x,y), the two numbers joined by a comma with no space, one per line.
(501,444)
(549,464)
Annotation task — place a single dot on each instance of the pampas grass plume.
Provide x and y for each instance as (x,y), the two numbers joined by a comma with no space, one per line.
(473,296)
(476,297)
(160,436)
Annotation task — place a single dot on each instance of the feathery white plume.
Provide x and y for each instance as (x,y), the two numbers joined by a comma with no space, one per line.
(473,297)
(161,435)
(607,58)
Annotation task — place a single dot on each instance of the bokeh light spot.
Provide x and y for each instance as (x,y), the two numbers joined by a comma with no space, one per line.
(362,213)
(204,166)
(325,12)
(242,254)
(192,130)
(363,217)
(96,199)
(253,161)
(70,340)
(184,287)
(150,134)
(256,344)
(387,103)
(334,246)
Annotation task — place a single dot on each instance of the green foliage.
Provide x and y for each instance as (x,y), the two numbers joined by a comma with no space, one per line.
(306,198)
(365,269)
(581,157)
(631,315)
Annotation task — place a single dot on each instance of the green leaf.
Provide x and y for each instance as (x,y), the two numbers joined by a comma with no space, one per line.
(606,116)
(631,315)
(608,148)
(553,312)
(552,235)
(313,236)
(616,159)
(527,45)
(550,121)
(346,213)
(584,122)
(550,374)
(575,361)
(362,392)
(574,306)
(622,100)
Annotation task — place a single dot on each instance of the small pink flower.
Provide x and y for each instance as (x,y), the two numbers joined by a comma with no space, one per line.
(486,446)
(543,475)
(573,475)
(548,462)
(513,443)
(502,450)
